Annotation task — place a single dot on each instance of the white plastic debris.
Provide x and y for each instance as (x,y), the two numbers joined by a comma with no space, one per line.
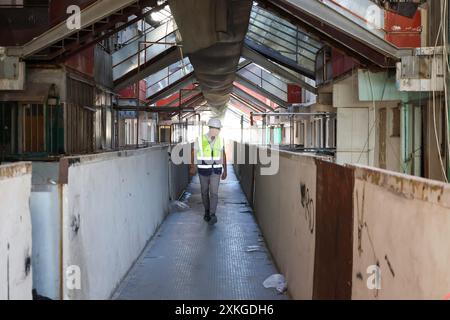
(277,281)
(177,206)
(253,248)
(185,197)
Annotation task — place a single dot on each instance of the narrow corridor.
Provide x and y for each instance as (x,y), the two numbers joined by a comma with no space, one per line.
(188,259)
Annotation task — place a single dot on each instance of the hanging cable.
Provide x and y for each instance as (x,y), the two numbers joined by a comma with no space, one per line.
(446,70)
(440,30)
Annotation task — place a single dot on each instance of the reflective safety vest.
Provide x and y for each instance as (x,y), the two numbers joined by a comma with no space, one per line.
(207,157)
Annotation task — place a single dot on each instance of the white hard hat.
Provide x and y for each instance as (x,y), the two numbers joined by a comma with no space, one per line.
(215,123)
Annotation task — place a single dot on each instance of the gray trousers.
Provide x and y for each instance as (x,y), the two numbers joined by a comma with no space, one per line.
(210,192)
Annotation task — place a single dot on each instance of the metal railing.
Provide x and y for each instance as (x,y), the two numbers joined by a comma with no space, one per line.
(265,80)
(167,76)
(139,51)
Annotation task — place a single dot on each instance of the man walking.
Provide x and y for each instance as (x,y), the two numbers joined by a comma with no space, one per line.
(211,161)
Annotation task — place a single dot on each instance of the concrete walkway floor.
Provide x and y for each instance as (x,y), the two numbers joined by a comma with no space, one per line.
(190,260)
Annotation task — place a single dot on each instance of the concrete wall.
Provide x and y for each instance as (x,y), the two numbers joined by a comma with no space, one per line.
(327,224)
(287,219)
(112,205)
(15,232)
(405,223)
(286,216)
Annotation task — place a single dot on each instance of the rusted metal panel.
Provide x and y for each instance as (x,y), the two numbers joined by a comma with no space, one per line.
(402,31)
(103,67)
(294,93)
(83,62)
(64,165)
(341,63)
(79,115)
(131,92)
(334,231)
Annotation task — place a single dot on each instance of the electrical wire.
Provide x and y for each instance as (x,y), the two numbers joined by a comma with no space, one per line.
(440,31)
(446,71)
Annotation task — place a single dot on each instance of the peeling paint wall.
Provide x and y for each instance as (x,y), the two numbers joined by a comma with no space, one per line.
(112,203)
(15,232)
(401,224)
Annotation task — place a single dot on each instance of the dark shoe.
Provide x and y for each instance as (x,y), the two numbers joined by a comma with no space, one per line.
(207,217)
(213,219)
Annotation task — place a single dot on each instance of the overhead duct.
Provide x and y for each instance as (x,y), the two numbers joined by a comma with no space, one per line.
(213,33)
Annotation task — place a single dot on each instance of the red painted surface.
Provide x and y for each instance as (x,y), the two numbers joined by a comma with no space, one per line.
(131,91)
(341,63)
(20,25)
(173,100)
(402,31)
(82,62)
(294,93)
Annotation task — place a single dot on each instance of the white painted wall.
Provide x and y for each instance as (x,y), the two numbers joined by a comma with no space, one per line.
(113,204)
(15,232)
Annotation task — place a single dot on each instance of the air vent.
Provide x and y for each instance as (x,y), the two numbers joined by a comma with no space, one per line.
(423,71)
